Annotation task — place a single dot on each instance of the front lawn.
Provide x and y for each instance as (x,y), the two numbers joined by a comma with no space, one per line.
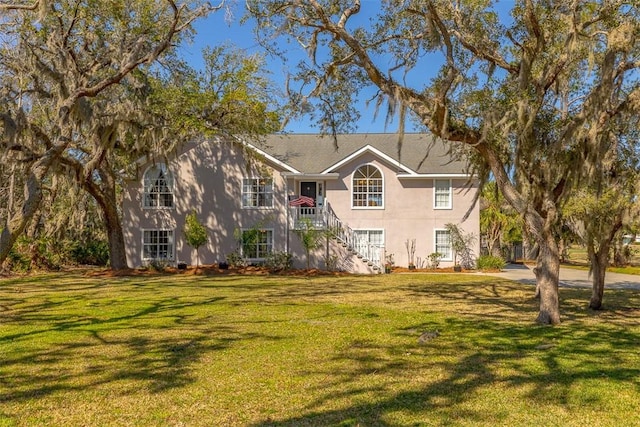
(185,350)
(579,259)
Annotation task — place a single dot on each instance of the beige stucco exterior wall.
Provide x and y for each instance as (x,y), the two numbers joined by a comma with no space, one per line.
(408,211)
(208,179)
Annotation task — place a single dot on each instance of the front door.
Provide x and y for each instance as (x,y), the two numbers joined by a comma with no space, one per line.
(309,189)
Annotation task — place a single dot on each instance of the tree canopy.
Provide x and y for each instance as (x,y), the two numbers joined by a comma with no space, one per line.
(533,98)
(90,87)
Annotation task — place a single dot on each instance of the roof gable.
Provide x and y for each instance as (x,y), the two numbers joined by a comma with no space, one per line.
(368,149)
(421,155)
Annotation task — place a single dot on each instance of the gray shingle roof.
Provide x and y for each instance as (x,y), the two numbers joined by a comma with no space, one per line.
(312,153)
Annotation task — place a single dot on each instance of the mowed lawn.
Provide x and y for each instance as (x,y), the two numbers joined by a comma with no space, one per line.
(185,350)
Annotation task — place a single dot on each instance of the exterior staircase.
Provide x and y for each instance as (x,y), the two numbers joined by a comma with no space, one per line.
(325,218)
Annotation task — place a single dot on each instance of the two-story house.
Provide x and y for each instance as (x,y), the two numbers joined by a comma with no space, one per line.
(372,198)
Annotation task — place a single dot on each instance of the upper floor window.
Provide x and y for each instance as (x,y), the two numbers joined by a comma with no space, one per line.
(442,194)
(257,193)
(158,187)
(367,187)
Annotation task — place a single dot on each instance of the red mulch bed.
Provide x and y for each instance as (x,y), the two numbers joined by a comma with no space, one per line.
(429,270)
(212,270)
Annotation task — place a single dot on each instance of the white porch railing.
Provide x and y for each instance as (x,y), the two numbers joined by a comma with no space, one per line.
(323,217)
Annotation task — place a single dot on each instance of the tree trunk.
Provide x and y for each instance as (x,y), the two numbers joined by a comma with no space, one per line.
(598,270)
(619,258)
(105,195)
(494,247)
(115,235)
(547,279)
(33,197)
(600,261)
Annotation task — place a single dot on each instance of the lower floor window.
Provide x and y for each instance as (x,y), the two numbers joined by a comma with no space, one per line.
(443,244)
(369,244)
(157,244)
(257,244)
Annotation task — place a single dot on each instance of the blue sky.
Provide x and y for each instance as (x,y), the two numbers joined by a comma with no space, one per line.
(223,26)
(220,27)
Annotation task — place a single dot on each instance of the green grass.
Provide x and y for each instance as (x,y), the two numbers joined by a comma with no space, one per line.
(294,351)
(578,259)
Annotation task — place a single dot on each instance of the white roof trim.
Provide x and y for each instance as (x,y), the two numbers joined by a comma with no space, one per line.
(432,175)
(311,176)
(373,150)
(270,157)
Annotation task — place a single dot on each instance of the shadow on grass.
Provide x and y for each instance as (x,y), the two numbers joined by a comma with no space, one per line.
(78,336)
(154,333)
(493,356)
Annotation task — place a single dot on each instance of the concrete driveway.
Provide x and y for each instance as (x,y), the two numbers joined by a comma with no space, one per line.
(569,277)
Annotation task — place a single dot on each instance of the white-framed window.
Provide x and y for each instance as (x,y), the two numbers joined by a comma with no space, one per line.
(257,192)
(367,188)
(158,187)
(442,194)
(442,240)
(257,244)
(158,244)
(369,243)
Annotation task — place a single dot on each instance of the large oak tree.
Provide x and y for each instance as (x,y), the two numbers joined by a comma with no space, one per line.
(55,58)
(149,104)
(532,96)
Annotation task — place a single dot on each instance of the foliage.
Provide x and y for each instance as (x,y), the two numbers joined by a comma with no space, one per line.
(158,265)
(389,260)
(533,100)
(490,262)
(236,260)
(90,253)
(67,346)
(311,237)
(195,233)
(599,213)
(590,213)
(279,261)
(434,259)
(461,243)
(499,223)
(114,104)
(72,84)
(331,262)
(18,259)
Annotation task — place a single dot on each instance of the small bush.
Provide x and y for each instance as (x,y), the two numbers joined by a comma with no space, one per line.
(94,252)
(236,260)
(331,263)
(159,265)
(18,261)
(279,261)
(434,259)
(490,262)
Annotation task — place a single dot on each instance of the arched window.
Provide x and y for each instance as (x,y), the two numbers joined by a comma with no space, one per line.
(367,187)
(158,187)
